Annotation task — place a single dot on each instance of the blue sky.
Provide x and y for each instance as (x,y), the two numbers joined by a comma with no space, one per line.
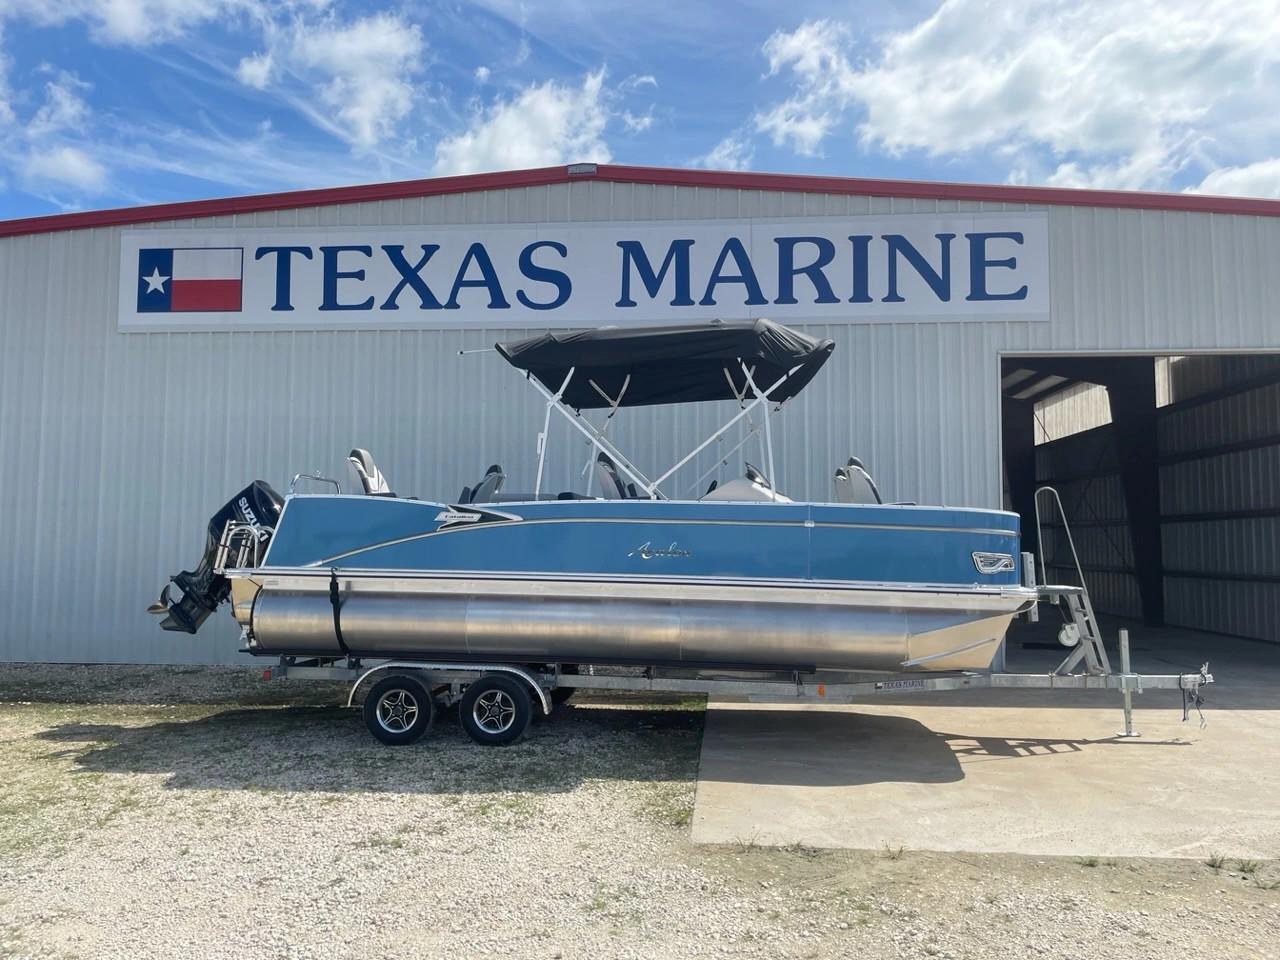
(117,102)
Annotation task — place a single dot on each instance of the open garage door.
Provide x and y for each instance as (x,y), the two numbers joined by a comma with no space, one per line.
(1169,469)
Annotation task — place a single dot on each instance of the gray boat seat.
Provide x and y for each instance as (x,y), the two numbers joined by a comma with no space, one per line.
(488,488)
(371,478)
(854,484)
(611,487)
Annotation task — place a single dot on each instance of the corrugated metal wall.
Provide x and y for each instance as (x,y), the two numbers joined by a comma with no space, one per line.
(120,446)
(1219,448)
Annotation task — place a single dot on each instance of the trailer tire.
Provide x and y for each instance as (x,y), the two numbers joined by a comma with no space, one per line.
(398,710)
(496,710)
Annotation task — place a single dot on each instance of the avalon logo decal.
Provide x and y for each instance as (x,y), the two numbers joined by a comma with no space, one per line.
(647,551)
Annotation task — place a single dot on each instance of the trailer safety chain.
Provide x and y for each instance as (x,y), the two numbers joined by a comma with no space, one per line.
(336,603)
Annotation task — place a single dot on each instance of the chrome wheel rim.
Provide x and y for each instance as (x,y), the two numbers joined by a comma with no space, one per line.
(494,711)
(397,711)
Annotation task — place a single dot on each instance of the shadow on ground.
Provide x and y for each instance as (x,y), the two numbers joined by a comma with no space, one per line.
(777,748)
(328,749)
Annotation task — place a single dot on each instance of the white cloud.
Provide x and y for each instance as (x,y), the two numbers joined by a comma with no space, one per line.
(731,153)
(6,108)
(482,74)
(523,51)
(636,122)
(369,64)
(132,22)
(255,70)
(1259,179)
(824,78)
(1115,92)
(65,166)
(543,125)
(44,147)
(63,108)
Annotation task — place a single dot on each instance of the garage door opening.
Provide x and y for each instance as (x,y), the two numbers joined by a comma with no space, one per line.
(1169,471)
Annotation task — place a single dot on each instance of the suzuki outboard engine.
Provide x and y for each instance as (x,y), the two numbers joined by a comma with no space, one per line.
(257,508)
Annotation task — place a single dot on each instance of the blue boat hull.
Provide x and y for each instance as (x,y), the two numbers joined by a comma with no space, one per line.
(770,585)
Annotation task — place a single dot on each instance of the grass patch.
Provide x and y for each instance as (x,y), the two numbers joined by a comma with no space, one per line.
(380,841)
(892,853)
(1215,861)
(1248,867)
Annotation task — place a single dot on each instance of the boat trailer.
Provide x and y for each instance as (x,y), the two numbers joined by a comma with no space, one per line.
(498,700)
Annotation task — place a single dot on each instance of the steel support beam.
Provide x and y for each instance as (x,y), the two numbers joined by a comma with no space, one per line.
(1018,445)
(1131,391)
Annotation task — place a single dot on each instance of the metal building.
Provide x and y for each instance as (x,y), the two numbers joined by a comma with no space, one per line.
(155,359)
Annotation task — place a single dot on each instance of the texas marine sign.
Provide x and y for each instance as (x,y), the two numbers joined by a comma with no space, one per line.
(819,269)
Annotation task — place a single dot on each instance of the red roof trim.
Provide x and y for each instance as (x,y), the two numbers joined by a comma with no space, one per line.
(999,193)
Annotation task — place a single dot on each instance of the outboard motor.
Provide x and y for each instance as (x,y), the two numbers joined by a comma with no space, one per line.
(257,505)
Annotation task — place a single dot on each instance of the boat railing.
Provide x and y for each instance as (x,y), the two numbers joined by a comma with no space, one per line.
(317,477)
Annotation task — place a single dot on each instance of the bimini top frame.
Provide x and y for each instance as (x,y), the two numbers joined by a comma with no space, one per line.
(611,368)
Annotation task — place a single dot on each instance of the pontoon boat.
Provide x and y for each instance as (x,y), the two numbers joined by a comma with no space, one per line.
(741,577)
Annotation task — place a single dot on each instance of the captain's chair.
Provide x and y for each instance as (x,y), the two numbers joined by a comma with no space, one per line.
(488,488)
(371,478)
(611,487)
(854,484)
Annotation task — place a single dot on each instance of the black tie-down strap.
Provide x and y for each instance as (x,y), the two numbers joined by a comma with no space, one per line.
(336,603)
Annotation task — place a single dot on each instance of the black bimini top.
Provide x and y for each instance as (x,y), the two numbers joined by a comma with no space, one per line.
(675,364)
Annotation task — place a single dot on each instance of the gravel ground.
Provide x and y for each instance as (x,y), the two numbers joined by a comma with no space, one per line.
(203,813)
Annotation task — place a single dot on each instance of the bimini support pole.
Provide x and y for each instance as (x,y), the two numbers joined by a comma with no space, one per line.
(768,436)
(614,403)
(553,400)
(760,398)
(590,432)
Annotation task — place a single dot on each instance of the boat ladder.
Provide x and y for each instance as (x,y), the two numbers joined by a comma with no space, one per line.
(1080,632)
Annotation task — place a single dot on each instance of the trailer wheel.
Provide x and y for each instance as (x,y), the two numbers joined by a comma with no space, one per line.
(398,710)
(495,710)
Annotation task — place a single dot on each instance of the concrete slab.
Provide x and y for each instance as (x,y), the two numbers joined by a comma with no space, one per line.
(1011,771)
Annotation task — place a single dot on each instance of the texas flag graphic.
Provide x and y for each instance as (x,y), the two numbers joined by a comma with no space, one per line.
(190,280)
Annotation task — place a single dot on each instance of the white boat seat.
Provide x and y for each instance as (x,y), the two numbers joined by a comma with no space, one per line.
(488,488)
(371,478)
(854,485)
(754,486)
(610,483)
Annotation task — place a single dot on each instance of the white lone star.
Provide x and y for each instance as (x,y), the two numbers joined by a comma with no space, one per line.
(155,281)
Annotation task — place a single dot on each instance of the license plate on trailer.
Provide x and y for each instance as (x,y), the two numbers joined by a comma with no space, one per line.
(900,685)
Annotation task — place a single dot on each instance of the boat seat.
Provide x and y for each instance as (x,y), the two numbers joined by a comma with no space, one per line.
(371,478)
(854,484)
(611,487)
(754,486)
(488,488)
